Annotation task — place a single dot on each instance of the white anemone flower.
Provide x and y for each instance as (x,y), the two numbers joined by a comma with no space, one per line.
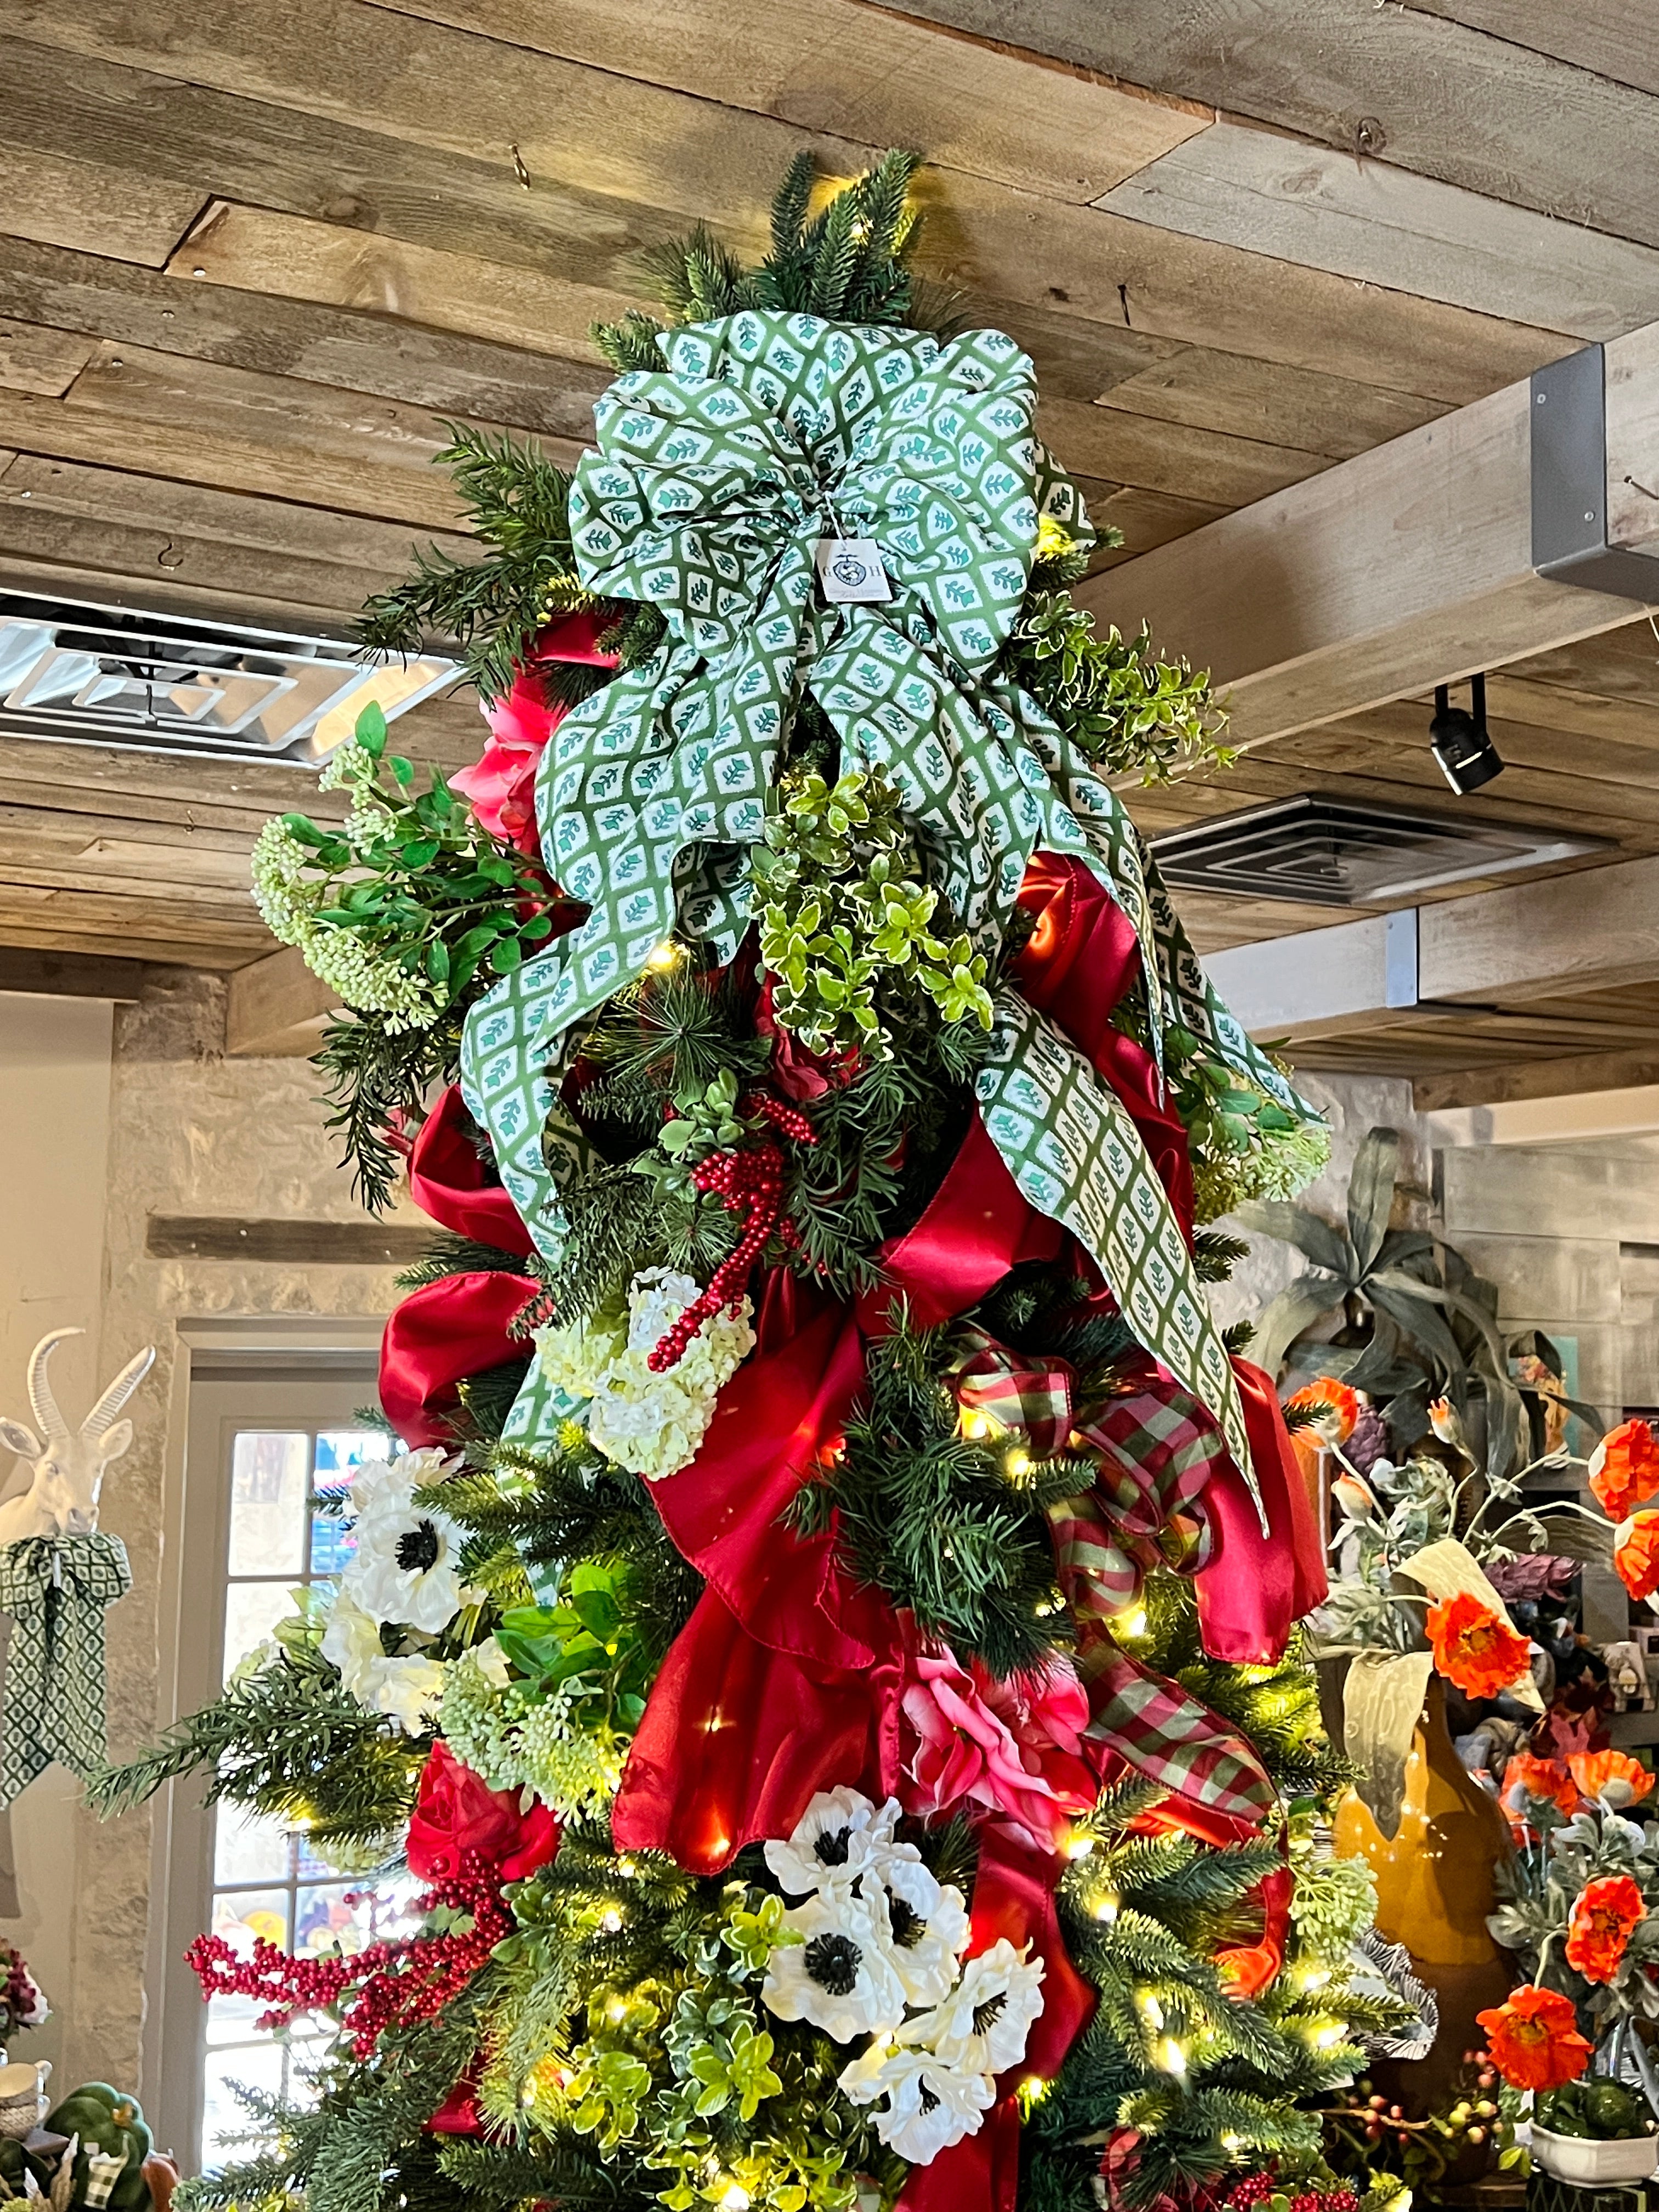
(840,1836)
(930,2103)
(841,1976)
(407,1690)
(926,1925)
(982,2025)
(405,1566)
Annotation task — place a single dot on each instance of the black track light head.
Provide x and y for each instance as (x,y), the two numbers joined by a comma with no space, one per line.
(1465,753)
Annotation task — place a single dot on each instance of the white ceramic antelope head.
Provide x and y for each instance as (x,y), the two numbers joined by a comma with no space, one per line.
(68,1464)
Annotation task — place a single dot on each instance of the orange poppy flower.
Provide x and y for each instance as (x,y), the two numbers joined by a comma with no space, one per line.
(1635,1553)
(1334,1406)
(1600,1926)
(1534,2040)
(1475,1647)
(1545,1779)
(1623,1469)
(1613,1775)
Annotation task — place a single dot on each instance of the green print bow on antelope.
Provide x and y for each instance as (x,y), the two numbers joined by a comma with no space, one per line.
(716,479)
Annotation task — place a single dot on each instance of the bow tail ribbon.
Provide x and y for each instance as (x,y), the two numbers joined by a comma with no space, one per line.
(1156,1727)
(1030,1399)
(56,1589)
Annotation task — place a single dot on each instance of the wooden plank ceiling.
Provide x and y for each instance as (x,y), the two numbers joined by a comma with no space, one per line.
(252,258)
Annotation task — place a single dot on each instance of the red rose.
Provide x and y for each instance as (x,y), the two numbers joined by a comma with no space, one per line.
(457,1812)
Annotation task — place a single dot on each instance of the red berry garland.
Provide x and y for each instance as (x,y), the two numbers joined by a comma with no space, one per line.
(750,1181)
(398,1985)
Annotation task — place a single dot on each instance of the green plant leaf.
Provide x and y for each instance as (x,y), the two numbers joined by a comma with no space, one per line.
(370,729)
(1370,1193)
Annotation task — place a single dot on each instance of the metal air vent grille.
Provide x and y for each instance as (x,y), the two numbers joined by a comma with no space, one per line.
(1331,852)
(86,674)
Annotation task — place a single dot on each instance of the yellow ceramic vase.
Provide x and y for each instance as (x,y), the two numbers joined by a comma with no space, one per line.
(1435,1888)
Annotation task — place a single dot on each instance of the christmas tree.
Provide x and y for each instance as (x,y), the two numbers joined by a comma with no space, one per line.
(826,1638)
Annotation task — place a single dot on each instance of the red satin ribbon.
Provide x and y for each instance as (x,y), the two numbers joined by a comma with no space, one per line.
(1255,1588)
(1014,1896)
(1079,961)
(977,1226)
(438,1337)
(981,2174)
(737,1738)
(446,1180)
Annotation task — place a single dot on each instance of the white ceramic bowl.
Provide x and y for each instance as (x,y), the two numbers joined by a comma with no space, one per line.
(1592,2165)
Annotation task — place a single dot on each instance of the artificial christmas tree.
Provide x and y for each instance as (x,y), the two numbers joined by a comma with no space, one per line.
(829,1648)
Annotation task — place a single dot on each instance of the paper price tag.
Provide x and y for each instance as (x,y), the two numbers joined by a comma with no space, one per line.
(850,571)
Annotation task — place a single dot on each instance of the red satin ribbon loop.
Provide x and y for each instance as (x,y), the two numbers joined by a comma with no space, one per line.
(446,1180)
(438,1337)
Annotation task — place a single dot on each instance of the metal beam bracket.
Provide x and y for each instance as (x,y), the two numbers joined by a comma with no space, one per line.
(1569,485)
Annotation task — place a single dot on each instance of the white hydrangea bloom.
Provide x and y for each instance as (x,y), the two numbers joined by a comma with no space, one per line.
(407,1690)
(930,2103)
(982,2025)
(651,1423)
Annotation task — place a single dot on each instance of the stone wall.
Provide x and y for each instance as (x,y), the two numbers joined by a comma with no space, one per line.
(188,1132)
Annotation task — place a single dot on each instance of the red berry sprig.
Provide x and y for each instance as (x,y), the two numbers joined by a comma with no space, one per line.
(789,1120)
(749,1181)
(399,1984)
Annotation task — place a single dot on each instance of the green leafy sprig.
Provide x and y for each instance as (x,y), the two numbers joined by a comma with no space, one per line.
(1131,712)
(846,915)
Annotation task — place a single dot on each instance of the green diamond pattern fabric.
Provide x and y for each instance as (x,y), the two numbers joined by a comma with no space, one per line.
(715,480)
(56,1589)
(1069,1144)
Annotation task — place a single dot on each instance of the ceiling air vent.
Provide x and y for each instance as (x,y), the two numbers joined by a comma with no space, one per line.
(85,674)
(1330,852)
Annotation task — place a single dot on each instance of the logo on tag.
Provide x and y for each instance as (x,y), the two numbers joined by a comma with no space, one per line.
(850,571)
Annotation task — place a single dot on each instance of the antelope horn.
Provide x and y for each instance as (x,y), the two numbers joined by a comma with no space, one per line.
(53,1428)
(103,1413)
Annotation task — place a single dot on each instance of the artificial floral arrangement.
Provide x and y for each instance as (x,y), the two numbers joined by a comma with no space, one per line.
(22,2001)
(828,1647)
(1579,1896)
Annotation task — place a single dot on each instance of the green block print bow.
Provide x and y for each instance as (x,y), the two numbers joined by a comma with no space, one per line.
(56,1589)
(714,481)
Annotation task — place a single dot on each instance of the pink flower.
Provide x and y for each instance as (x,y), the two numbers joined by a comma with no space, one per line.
(1008,1749)
(501,785)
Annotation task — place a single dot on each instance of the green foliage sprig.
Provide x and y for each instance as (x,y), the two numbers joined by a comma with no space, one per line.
(938,1519)
(850,262)
(493,607)
(401,905)
(1129,710)
(847,914)
(287,1741)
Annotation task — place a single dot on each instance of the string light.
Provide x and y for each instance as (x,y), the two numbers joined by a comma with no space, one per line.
(734,2197)
(1152,2010)
(975,1423)
(1132,1623)
(663,956)
(1172,2055)
(1079,1847)
(1016,1464)
(611,1920)
(1106,1904)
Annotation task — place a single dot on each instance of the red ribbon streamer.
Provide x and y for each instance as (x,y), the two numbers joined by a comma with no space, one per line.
(446,1180)
(977,1226)
(438,1337)
(981,2174)
(1080,960)
(1255,1588)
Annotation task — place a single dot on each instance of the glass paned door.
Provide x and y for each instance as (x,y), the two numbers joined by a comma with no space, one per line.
(271,1456)
(289,1499)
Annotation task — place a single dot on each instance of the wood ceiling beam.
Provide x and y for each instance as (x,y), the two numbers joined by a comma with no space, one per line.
(1405,566)
(275,1009)
(1565,1077)
(1593,930)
